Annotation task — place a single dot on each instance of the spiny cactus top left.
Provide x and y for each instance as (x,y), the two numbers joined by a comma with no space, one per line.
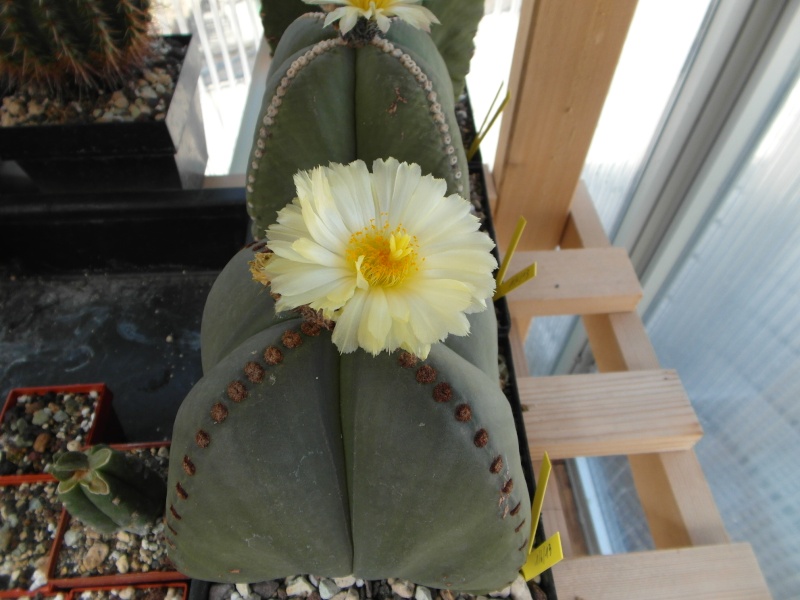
(63,43)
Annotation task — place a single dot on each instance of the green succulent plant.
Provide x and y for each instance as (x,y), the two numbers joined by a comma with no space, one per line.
(366,96)
(290,458)
(64,43)
(454,35)
(109,490)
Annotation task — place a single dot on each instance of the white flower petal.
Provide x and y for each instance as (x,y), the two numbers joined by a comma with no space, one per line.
(416,16)
(383,21)
(313,252)
(348,20)
(345,334)
(377,322)
(352,193)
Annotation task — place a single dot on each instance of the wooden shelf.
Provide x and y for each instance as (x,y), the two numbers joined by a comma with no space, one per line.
(631,407)
(565,57)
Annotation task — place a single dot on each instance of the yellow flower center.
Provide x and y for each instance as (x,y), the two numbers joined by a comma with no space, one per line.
(384,258)
(365,4)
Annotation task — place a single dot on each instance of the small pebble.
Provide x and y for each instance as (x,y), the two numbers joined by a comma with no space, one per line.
(423,593)
(404,589)
(299,587)
(122,564)
(345,582)
(520,590)
(328,589)
(72,537)
(218,591)
(95,556)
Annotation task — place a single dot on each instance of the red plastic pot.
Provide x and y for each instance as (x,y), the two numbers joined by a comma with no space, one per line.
(182,588)
(111,580)
(102,412)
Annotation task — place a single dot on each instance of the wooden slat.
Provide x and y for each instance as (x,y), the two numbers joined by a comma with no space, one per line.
(728,572)
(673,491)
(607,414)
(574,282)
(567,63)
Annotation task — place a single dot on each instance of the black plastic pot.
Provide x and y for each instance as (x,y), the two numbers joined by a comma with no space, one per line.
(125,231)
(167,154)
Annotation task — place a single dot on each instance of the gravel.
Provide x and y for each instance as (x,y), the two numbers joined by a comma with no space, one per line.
(311,587)
(28,520)
(133,593)
(41,425)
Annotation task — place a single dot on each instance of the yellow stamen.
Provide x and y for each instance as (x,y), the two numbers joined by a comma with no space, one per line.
(365,4)
(380,259)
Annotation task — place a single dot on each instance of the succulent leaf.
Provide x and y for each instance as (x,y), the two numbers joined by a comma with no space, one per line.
(109,490)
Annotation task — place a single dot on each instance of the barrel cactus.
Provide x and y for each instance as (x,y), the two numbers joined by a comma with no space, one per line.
(290,458)
(366,95)
(63,43)
(300,450)
(109,490)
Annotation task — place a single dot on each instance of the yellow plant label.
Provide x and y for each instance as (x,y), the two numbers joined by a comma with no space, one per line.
(512,246)
(538,497)
(543,557)
(515,281)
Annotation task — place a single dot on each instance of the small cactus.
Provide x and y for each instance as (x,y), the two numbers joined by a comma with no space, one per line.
(65,43)
(109,490)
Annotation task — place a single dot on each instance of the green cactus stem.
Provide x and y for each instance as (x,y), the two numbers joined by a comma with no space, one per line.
(290,458)
(63,43)
(334,100)
(454,36)
(109,490)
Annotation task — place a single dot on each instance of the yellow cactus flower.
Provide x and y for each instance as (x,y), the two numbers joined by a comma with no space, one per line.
(386,255)
(381,11)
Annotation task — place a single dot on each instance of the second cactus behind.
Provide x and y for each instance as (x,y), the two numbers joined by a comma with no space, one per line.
(62,43)
(109,490)
(366,95)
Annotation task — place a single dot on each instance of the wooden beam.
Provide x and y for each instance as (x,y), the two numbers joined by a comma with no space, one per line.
(604,414)
(574,282)
(674,493)
(677,500)
(583,229)
(560,78)
(727,571)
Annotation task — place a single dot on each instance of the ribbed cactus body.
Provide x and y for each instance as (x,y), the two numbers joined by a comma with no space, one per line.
(454,35)
(60,43)
(109,490)
(290,458)
(329,101)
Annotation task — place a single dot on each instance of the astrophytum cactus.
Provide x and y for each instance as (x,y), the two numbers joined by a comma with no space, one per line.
(62,43)
(290,458)
(454,35)
(367,95)
(109,490)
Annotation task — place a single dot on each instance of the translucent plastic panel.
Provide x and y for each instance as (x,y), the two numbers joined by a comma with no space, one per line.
(729,322)
(659,41)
